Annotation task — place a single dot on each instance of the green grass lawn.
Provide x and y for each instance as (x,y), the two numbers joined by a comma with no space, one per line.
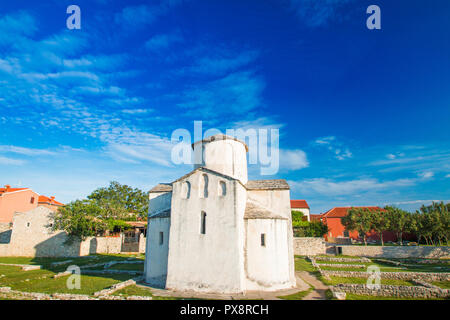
(13,275)
(442,284)
(297,296)
(128,266)
(42,280)
(303,264)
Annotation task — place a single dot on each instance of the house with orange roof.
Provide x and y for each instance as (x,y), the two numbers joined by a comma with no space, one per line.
(49,202)
(303,207)
(332,218)
(22,200)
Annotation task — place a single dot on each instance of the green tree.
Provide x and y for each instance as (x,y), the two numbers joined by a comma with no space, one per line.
(416,225)
(358,219)
(297,218)
(106,209)
(79,220)
(304,228)
(435,225)
(379,222)
(398,220)
(121,201)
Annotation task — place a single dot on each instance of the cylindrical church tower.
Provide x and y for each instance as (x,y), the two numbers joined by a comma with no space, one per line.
(223,154)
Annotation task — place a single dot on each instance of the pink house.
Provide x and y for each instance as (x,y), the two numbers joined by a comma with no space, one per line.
(21,200)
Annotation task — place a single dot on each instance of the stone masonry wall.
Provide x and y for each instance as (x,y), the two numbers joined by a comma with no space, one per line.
(389,290)
(397,251)
(309,246)
(32,236)
(55,247)
(424,276)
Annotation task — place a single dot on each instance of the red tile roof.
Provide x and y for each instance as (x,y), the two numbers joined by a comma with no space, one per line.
(339,212)
(4,190)
(315,217)
(302,204)
(51,200)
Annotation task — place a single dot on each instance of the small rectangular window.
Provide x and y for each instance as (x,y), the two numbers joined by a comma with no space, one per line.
(203,223)
(263,239)
(32,200)
(161,238)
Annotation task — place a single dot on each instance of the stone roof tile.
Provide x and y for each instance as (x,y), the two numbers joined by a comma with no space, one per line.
(161,214)
(254,210)
(162,187)
(276,184)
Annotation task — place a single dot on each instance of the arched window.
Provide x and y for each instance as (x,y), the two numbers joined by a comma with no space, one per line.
(203,223)
(186,190)
(222,188)
(204,186)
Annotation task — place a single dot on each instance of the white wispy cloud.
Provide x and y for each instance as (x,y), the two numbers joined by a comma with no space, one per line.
(221,62)
(257,123)
(329,187)
(293,160)
(25,151)
(237,93)
(137,111)
(11,161)
(163,41)
(143,15)
(426,174)
(332,144)
(315,13)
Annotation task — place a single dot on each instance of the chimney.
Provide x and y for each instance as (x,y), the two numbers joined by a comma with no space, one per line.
(7,187)
(52,199)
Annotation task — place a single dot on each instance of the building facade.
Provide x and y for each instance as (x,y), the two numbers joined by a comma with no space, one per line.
(332,218)
(213,230)
(21,200)
(301,206)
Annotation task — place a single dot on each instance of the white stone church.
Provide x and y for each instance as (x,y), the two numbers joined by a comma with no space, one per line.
(213,230)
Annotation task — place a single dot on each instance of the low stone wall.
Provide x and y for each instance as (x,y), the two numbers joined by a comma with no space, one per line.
(424,276)
(395,291)
(362,259)
(142,243)
(33,236)
(396,251)
(309,246)
(339,265)
(54,245)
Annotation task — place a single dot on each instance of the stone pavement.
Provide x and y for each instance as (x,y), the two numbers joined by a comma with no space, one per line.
(319,288)
(250,295)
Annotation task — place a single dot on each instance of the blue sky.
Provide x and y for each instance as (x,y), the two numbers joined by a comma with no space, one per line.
(363,114)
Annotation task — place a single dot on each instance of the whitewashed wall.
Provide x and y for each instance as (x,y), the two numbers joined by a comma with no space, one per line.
(279,202)
(213,261)
(157,254)
(263,271)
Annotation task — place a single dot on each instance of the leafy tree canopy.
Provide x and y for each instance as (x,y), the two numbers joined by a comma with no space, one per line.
(105,209)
